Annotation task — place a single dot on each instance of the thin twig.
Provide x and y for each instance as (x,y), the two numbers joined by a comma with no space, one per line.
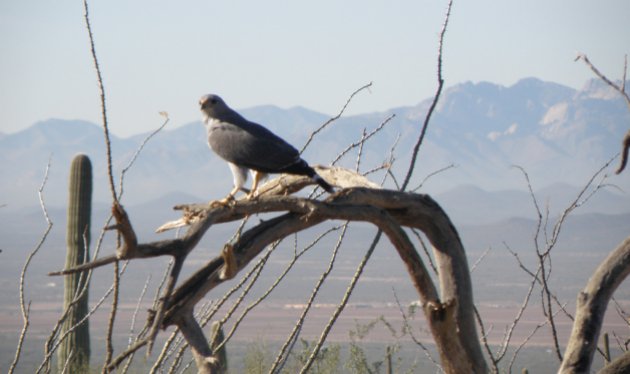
(134,317)
(65,364)
(25,309)
(101,88)
(342,304)
(50,348)
(283,353)
(625,143)
(408,329)
(138,151)
(432,174)
(363,139)
(484,340)
(508,335)
(170,286)
(360,153)
(436,98)
(331,120)
(241,297)
(600,75)
(426,251)
(388,164)
(481,257)
(523,343)
(112,317)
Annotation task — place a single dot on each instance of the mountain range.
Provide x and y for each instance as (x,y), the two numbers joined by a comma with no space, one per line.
(557,134)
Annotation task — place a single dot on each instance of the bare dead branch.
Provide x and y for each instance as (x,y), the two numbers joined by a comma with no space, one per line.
(432,174)
(360,153)
(159,312)
(286,184)
(625,145)
(436,98)
(297,327)
(342,304)
(619,88)
(135,155)
(543,252)
(484,340)
(408,329)
(25,309)
(133,338)
(620,365)
(331,120)
(516,320)
(101,88)
(390,164)
(241,297)
(51,345)
(363,139)
(280,277)
(112,317)
(480,259)
(524,343)
(425,249)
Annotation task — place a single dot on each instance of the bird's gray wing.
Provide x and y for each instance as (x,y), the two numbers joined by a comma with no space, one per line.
(251,145)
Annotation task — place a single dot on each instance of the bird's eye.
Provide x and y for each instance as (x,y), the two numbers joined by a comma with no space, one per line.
(213,101)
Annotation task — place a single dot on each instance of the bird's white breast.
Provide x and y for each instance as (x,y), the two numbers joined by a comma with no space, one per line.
(209,121)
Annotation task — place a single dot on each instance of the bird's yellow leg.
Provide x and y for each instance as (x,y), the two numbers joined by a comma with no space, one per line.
(258,176)
(226,200)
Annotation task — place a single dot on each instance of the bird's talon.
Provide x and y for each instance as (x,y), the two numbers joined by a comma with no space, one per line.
(226,201)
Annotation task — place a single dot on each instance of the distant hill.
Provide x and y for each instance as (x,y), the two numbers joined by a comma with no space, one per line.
(468,204)
(559,135)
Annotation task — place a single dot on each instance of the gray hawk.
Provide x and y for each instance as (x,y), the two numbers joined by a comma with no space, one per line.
(248,146)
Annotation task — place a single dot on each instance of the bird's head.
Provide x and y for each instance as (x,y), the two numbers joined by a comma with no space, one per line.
(212,106)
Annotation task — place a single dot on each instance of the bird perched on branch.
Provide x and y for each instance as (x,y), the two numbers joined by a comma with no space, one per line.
(248,146)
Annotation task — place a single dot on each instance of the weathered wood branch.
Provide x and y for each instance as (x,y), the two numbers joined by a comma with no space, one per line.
(202,353)
(591,308)
(450,316)
(620,365)
(449,308)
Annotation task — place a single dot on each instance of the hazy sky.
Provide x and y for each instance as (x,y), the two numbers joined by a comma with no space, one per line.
(162,55)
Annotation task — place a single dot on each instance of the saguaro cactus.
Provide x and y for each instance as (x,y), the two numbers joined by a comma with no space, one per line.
(74,352)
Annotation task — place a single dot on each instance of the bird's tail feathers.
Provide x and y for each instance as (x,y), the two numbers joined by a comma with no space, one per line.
(323,184)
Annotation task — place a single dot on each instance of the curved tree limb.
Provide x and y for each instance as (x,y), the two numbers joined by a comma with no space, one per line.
(451,322)
(591,308)
(618,366)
